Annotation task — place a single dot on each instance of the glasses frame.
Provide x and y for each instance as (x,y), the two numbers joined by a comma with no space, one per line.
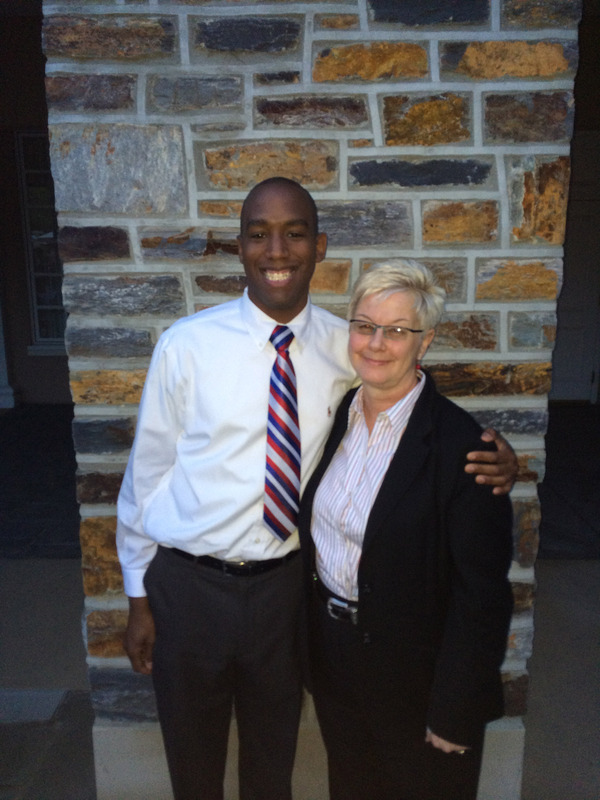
(384,328)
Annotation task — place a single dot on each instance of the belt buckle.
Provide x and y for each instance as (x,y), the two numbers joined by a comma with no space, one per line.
(340,610)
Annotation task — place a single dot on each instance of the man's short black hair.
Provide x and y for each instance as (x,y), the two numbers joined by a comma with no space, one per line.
(280,180)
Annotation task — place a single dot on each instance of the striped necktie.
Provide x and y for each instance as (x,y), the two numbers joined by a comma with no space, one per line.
(282,482)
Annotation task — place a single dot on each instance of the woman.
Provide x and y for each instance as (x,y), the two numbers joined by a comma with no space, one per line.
(407,560)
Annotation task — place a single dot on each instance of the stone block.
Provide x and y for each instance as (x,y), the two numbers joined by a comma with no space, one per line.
(526,279)
(98,487)
(93,243)
(108,342)
(109,37)
(532,14)
(118,169)
(241,165)
(528,117)
(523,597)
(220,208)
(488,378)
(539,189)
(190,93)
(375,61)
(421,173)
(467,331)
(120,695)
(520,643)
(124,295)
(522,421)
(247,34)
(77,93)
(426,120)
(532,467)
(496,60)
(365,223)
(103,436)
(331,276)
(281,78)
(107,387)
(366,142)
(516,689)
(99,561)
(172,245)
(531,330)
(105,632)
(339,22)
(526,531)
(468,222)
(429,12)
(232,285)
(310,111)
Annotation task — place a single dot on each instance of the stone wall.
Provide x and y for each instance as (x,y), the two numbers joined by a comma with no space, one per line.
(430,129)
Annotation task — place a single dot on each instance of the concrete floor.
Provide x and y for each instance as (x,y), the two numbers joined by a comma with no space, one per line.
(46,719)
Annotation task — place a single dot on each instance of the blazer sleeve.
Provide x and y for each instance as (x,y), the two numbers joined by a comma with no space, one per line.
(477,533)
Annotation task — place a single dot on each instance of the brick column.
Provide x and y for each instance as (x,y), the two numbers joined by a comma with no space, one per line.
(431,130)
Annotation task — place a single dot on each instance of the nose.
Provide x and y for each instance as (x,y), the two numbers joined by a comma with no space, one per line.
(377,341)
(277,245)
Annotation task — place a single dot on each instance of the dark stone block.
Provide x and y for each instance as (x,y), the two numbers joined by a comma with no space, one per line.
(193,93)
(90,92)
(514,421)
(108,342)
(124,295)
(172,245)
(221,284)
(369,222)
(113,435)
(515,695)
(276,78)
(528,117)
(248,34)
(430,12)
(122,696)
(98,487)
(541,13)
(434,172)
(93,243)
(320,112)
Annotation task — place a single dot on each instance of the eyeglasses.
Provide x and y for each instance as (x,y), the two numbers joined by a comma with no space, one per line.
(392,332)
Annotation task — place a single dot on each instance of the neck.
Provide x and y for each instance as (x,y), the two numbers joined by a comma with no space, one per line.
(376,400)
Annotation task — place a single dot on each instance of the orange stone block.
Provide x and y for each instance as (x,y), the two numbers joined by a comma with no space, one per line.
(105,631)
(371,62)
(442,119)
(331,277)
(312,163)
(212,208)
(520,280)
(99,561)
(545,191)
(338,22)
(485,378)
(492,60)
(449,223)
(107,387)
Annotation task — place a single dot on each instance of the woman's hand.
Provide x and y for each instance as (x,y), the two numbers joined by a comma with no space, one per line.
(443,744)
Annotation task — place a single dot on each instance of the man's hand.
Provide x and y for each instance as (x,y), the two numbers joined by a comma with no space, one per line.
(444,744)
(140,635)
(497,468)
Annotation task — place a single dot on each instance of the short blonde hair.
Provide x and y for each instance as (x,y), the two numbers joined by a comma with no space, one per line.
(402,275)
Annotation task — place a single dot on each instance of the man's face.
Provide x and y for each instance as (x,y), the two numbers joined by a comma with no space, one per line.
(279,247)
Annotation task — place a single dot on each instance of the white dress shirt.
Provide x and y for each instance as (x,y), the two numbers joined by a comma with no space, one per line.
(349,487)
(195,476)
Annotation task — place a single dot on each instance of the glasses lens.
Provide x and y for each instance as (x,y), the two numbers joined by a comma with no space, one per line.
(366,328)
(395,334)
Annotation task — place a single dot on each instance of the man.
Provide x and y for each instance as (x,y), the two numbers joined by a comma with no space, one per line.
(207,546)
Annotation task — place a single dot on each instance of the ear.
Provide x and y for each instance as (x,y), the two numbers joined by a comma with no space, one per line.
(239,246)
(321,247)
(428,338)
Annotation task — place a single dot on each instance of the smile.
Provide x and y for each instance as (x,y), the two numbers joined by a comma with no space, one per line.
(277,276)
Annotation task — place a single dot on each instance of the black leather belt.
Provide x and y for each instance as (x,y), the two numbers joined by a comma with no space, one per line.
(337,607)
(236,567)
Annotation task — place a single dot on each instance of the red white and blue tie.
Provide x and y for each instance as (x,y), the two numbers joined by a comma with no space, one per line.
(282,482)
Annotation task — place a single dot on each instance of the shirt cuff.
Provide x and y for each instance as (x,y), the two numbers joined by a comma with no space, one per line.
(133,582)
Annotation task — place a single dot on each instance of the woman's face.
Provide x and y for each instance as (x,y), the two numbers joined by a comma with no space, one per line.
(381,363)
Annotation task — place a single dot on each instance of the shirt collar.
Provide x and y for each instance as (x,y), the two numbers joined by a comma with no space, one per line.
(396,414)
(260,325)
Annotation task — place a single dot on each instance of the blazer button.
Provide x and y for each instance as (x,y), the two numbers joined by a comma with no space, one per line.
(366,588)
(366,638)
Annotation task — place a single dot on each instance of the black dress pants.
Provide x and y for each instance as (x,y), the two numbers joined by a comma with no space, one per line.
(226,643)
(372,716)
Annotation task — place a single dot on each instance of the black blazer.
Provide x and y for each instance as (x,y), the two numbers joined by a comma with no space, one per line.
(434,600)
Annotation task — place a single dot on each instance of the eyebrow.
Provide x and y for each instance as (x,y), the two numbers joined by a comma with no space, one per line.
(290,222)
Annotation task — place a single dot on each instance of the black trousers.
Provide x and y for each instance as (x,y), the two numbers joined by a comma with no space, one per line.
(372,717)
(226,643)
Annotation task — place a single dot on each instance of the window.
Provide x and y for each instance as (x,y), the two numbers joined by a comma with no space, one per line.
(41,246)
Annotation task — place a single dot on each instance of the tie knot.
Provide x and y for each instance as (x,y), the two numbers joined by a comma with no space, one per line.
(281,338)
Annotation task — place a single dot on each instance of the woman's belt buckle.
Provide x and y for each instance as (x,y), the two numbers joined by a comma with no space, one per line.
(338,609)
